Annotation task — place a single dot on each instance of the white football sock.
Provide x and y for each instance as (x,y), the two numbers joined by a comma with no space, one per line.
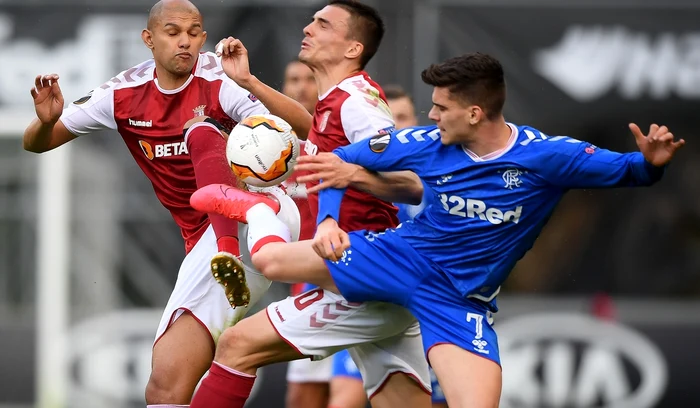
(264,227)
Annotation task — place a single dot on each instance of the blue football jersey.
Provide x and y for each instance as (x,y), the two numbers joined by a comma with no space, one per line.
(484,213)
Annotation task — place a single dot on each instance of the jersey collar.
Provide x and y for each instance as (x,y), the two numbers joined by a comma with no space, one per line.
(183,86)
(498,153)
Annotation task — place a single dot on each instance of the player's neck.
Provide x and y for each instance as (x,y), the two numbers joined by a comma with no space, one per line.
(330,76)
(168,81)
(490,137)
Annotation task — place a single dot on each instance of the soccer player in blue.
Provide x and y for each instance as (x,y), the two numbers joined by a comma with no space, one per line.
(492,187)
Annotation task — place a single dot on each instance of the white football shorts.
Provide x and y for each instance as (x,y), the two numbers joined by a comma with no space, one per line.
(382,338)
(196,291)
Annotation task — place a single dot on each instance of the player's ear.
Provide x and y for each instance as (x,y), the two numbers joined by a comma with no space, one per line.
(204,37)
(147,38)
(355,50)
(475,114)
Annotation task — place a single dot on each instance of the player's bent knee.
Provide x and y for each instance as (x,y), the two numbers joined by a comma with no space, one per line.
(232,343)
(265,261)
(238,348)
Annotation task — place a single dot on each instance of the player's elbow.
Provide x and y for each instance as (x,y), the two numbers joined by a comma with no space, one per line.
(30,146)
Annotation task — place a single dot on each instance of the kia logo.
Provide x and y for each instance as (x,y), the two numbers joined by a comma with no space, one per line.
(574,360)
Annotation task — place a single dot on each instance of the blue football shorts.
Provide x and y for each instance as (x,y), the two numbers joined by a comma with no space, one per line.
(383,267)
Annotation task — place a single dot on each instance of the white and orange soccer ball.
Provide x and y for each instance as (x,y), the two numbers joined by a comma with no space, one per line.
(262,150)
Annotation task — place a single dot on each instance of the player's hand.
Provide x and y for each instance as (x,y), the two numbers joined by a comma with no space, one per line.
(48,98)
(658,147)
(234,60)
(327,167)
(330,241)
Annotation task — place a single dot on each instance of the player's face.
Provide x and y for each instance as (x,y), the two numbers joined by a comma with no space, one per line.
(300,85)
(176,41)
(403,111)
(326,39)
(451,116)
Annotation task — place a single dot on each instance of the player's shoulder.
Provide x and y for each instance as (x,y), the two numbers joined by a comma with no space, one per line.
(135,76)
(358,85)
(533,139)
(361,99)
(417,137)
(209,67)
(129,78)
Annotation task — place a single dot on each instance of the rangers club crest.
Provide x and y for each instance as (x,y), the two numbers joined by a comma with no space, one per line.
(512,178)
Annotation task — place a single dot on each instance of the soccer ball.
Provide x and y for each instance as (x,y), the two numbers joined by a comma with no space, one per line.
(262,150)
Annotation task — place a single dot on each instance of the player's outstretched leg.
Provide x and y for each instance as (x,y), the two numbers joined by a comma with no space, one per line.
(207,149)
(268,237)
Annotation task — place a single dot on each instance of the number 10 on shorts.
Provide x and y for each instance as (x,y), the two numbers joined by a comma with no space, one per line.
(478,342)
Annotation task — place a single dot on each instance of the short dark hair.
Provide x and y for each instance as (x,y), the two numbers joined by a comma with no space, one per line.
(396,92)
(475,78)
(366,26)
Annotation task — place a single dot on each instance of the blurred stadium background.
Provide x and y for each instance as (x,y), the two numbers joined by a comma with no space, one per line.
(603,312)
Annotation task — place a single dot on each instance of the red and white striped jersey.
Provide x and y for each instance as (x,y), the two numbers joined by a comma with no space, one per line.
(352,111)
(150,120)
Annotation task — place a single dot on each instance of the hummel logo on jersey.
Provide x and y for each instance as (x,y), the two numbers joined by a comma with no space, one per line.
(444,179)
(141,123)
(471,208)
(511,178)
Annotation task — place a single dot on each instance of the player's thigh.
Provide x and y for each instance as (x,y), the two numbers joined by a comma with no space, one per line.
(468,380)
(252,343)
(293,262)
(179,360)
(397,356)
(307,394)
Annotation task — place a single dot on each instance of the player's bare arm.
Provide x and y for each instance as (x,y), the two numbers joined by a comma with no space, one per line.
(234,59)
(658,146)
(396,187)
(46,132)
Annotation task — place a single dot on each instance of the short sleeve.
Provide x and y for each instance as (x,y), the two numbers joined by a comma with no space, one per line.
(92,112)
(363,117)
